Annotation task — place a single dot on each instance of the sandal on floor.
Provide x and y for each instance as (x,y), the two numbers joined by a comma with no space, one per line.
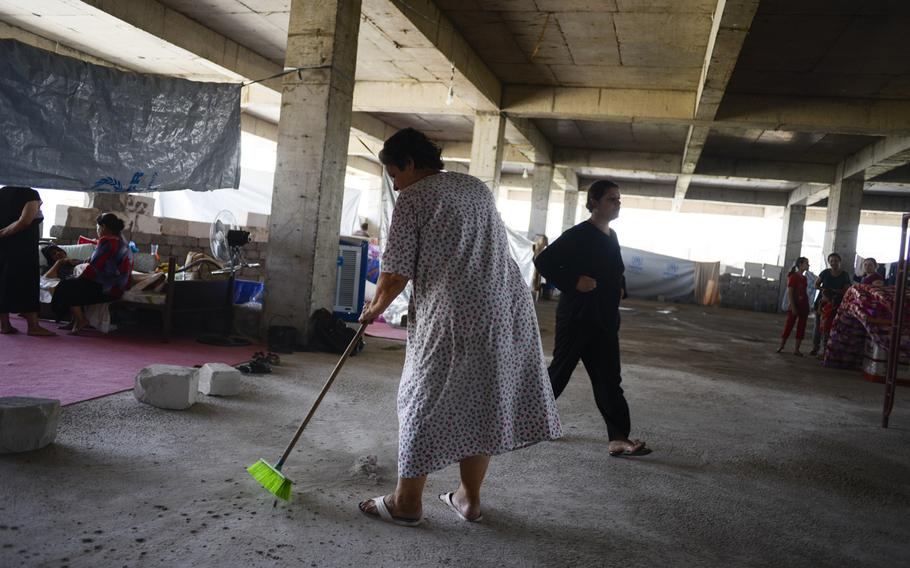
(447,500)
(384,514)
(642,451)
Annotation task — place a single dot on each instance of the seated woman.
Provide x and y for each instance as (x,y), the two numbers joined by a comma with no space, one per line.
(105,278)
(60,266)
(871,276)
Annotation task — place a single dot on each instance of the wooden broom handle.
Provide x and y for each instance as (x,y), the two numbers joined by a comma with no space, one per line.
(325,390)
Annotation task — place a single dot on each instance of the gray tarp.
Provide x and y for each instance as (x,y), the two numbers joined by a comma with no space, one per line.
(67,124)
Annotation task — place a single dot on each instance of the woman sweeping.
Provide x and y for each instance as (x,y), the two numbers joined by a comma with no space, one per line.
(799,304)
(474,382)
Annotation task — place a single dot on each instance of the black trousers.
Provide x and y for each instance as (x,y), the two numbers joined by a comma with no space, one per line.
(19,274)
(598,350)
(76,292)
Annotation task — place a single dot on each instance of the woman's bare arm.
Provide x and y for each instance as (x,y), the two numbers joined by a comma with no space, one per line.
(388,288)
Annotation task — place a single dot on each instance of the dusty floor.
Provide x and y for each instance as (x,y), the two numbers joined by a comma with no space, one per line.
(760,460)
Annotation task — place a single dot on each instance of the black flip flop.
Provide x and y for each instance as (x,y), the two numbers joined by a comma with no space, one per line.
(642,451)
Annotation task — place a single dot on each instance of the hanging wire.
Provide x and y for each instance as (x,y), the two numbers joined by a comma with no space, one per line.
(285,72)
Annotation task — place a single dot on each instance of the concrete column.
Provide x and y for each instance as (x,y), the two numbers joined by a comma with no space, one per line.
(486,149)
(540,199)
(791,245)
(842,222)
(309,177)
(570,205)
(791,239)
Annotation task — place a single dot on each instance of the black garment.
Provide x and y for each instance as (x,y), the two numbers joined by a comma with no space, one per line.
(599,351)
(76,292)
(587,324)
(584,250)
(828,282)
(19,275)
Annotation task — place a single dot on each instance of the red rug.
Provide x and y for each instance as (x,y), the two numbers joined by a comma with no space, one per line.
(82,367)
(386,331)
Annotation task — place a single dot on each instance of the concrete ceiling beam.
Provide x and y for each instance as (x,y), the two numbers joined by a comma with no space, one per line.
(461,152)
(367,125)
(171,26)
(523,134)
(584,103)
(8,31)
(740,196)
(626,161)
(889,203)
(879,158)
(420,28)
(407,98)
(259,127)
(755,169)
(364,165)
(808,194)
(730,26)
(871,117)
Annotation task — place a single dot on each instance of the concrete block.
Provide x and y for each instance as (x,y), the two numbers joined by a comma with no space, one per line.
(198,229)
(257,220)
(139,205)
(27,423)
(259,234)
(144,224)
(219,379)
(167,386)
(82,217)
(174,227)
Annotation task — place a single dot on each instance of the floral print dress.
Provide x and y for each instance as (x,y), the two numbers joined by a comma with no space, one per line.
(474,380)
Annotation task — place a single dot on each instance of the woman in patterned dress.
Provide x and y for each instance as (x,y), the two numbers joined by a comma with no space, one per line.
(474,382)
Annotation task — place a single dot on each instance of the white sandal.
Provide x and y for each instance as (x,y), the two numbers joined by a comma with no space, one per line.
(447,500)
(386,516)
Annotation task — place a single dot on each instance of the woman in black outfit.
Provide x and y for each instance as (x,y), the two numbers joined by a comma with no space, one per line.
(586,265)
(20,220)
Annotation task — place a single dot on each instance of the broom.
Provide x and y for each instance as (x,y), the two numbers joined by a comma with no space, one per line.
(270,476)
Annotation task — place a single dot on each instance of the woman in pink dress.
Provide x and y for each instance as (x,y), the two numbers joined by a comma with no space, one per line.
(474,382)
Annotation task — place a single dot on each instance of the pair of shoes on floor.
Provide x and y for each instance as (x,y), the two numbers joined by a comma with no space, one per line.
(255,367)
(260,364)
(270,358)
(383,513)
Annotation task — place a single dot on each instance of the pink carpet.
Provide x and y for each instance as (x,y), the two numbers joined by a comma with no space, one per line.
(386,331)
(76,368)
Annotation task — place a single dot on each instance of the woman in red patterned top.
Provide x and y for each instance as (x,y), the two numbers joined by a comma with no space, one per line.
(799,304)
(105,278)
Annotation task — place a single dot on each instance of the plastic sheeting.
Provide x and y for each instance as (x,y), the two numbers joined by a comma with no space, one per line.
(521,248)
(67,124)
(650,275)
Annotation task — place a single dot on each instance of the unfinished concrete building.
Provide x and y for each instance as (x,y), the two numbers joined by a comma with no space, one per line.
(795,110)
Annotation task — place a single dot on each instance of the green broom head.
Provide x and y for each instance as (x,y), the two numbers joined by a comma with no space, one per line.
(272,479)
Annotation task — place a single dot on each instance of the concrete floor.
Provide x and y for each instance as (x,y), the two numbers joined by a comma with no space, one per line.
(760,460)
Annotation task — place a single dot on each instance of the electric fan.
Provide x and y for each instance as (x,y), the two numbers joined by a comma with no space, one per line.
(227,241)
